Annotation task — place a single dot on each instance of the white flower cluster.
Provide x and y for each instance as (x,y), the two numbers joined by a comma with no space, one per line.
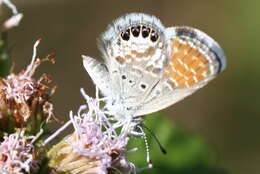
(16,154)
(96,146)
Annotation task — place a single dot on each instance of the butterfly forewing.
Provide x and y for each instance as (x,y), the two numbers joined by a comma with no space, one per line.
(195,59)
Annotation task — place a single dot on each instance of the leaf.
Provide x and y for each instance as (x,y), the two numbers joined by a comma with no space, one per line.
(186,153)
(4,56)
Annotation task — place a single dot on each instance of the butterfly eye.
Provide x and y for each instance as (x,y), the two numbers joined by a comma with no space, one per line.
(135,31)
(126,35)
(145,31)
(154,36)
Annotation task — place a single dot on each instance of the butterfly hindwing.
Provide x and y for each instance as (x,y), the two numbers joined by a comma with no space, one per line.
(135,53)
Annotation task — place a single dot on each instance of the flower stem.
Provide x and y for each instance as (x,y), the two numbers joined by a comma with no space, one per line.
(50,138)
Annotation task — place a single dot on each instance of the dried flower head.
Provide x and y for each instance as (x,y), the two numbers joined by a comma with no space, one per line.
(95,147)
(17,154)
(23,97)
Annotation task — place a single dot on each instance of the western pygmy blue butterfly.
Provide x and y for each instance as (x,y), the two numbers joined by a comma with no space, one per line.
(148,67)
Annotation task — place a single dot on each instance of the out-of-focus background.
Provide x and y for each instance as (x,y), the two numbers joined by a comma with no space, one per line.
(216,130)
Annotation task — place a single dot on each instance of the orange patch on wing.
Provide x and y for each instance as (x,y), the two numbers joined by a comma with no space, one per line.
(135,55)
(119,59)
(148,52)
(187,66)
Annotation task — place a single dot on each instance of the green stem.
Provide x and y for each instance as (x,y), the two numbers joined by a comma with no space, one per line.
(4,55)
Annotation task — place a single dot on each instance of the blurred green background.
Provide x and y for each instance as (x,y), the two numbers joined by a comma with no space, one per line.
(216,130)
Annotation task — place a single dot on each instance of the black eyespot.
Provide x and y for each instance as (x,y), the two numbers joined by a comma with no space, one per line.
(145,31)
(143,86)
(130,81)
(123,77)
(136,30)
(154,36)
(126,35)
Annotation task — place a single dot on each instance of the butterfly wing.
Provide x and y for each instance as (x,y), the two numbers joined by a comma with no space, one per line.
(195,60)
(135,53)
(98,73)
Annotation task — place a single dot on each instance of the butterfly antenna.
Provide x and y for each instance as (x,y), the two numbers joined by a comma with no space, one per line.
(156,139)
(148,159)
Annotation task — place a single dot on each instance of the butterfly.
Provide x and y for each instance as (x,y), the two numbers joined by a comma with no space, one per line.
(148,67)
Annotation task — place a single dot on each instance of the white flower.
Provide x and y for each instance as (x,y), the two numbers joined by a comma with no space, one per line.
(15,19)
(95,146)
(16,154)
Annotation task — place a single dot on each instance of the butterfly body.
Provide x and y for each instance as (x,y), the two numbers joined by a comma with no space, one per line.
(148,67)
